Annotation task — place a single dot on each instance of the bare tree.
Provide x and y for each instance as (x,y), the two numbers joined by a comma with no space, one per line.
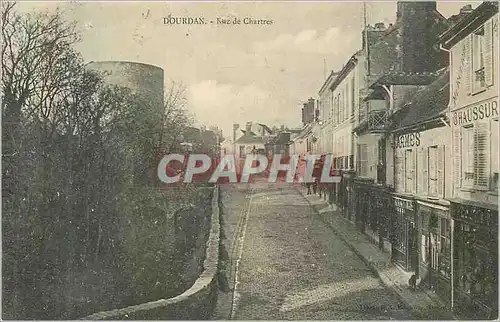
(176,118)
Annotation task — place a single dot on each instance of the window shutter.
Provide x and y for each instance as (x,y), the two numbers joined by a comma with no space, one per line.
(481,154)
(488,53)
(440,170)
(414,171)
(425,171)
(457,157)
(420,166)
(399,173)
(467,64)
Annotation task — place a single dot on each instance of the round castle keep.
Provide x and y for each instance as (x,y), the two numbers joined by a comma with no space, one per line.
(143,79)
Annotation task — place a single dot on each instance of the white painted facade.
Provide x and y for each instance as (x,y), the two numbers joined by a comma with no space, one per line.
(473,114)
(345,107)
(325,106)
(423,167)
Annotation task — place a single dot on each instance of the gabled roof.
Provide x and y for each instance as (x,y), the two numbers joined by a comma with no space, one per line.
(250,139)
(428,103)
(348,67)
(305,131)
(267,128)
(328,81)
(469,23)
(245,131)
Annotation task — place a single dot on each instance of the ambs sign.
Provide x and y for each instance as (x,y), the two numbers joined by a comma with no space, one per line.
(481,111)
(408,140)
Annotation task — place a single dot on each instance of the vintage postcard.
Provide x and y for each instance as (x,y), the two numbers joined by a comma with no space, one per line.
(249,160)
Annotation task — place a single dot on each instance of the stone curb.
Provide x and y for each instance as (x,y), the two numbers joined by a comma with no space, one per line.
(390,284)
(205,282)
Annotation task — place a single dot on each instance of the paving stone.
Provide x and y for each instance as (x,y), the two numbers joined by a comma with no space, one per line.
(294,267)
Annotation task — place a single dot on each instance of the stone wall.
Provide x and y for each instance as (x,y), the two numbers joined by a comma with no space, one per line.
(196,303)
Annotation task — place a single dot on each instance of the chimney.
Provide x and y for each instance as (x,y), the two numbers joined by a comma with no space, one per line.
(373,33)
(235,128)
(418,36)
(466,9)
(249,127)
(286,137)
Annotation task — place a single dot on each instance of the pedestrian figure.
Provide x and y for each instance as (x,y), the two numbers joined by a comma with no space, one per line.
(318,166)
(412,282)
(301,169)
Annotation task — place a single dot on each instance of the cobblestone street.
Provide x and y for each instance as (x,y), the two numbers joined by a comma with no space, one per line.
(291,266)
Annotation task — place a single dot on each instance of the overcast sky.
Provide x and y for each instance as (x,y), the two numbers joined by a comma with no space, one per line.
(233,74)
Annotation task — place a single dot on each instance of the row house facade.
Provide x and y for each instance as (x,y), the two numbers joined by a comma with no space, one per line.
(473,112)
(410,168)
(421,226)
(325,111)
(415,114)
(401,59)
(307,140)
(337,105)
(426,184)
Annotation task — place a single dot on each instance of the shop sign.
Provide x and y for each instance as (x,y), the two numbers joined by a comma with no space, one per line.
(403,203)
(407,140)
(478,112)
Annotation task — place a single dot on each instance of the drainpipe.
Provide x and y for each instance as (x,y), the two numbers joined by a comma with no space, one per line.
(450,64)
(452,276)
(452,223)
(390,92)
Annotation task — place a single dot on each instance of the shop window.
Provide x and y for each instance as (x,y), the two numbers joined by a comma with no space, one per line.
(476,269)
(445,248)
(494,155)
(467,153)
(478,60)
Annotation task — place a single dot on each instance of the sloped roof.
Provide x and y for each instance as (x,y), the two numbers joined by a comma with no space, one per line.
(250,139)
(404,78)
(305,131)
(467,24)
(427,104)
(267,128)
(282,138)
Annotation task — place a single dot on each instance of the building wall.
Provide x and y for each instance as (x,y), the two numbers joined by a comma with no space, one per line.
(227,147)
(346,102)
(299,147)
(308,111)
(367,155)
(475,107)
(423,163)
